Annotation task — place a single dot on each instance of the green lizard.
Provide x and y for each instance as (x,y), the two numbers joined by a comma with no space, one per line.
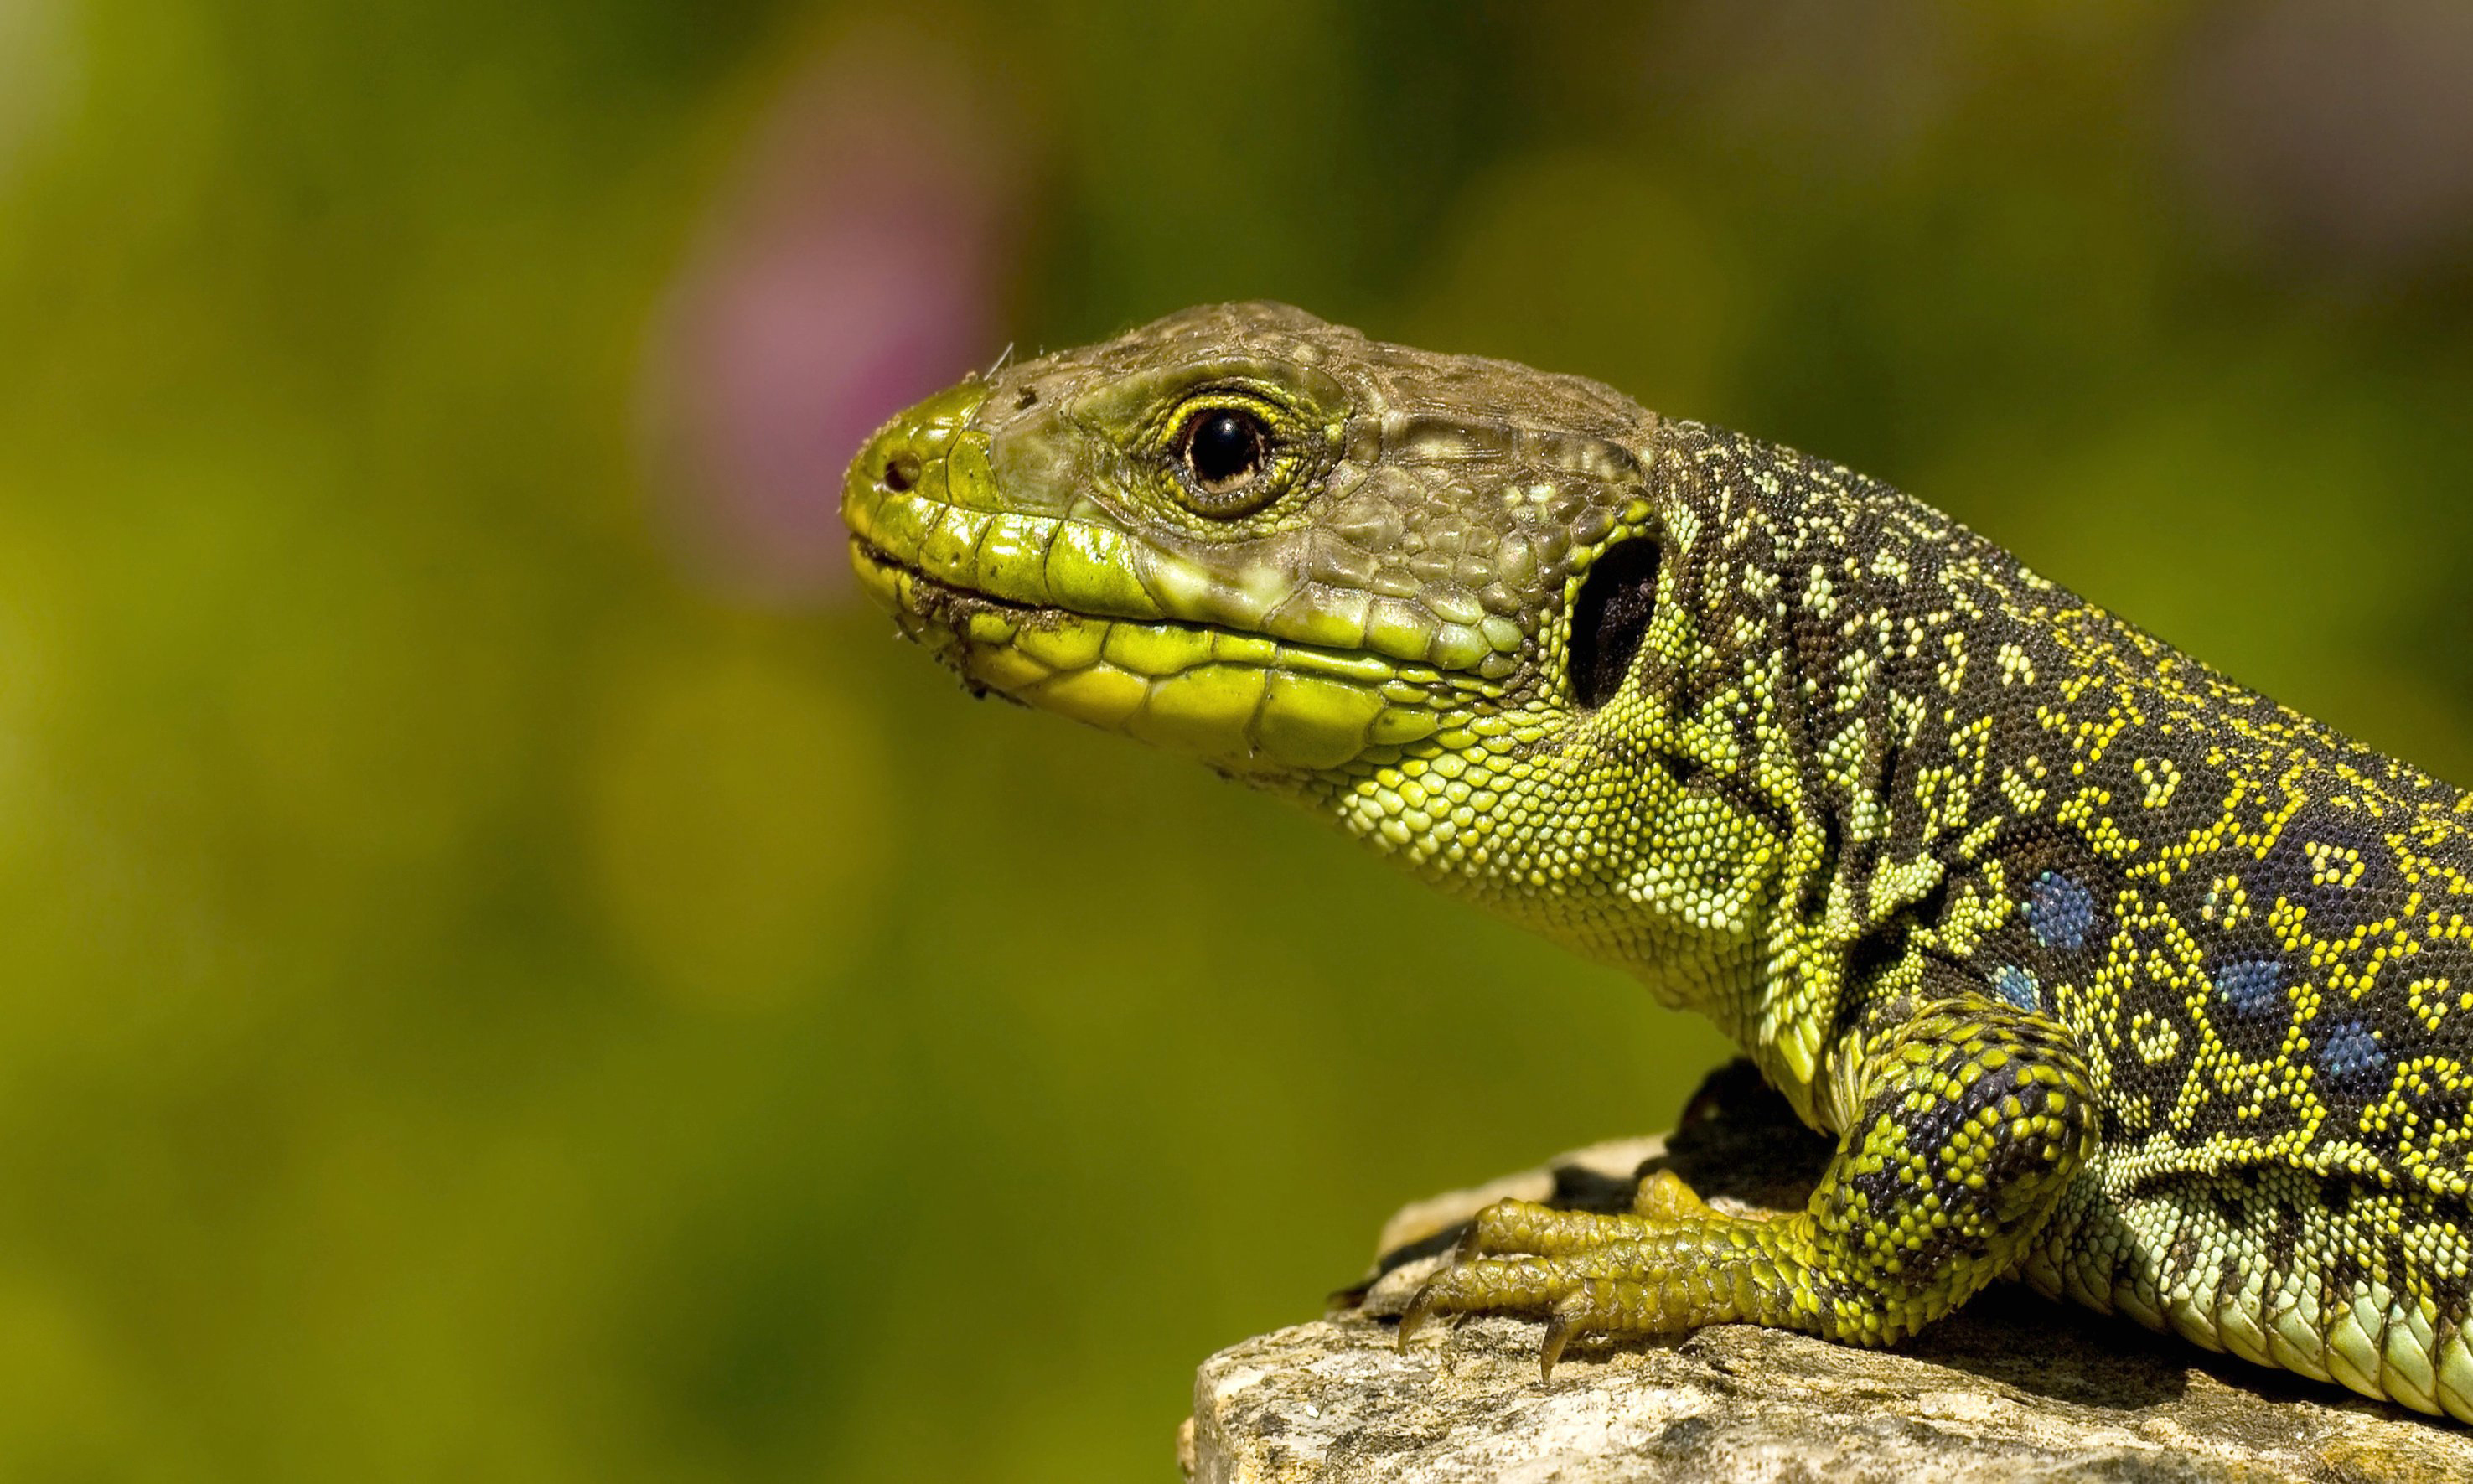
(2103,970)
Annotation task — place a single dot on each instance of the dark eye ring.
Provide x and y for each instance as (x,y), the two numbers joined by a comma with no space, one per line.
(1225,450)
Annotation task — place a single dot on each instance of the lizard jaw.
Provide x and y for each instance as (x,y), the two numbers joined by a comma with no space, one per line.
(1242,701)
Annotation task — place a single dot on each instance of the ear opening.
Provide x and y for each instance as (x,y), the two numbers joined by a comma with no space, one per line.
(1616,599)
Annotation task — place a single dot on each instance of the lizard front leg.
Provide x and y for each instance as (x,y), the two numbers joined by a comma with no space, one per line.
(1975,1116)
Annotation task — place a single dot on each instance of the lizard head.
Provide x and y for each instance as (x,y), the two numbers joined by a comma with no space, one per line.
(1410,588)
(1245,534)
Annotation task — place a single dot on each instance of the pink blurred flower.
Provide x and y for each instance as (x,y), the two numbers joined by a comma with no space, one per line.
(854,264)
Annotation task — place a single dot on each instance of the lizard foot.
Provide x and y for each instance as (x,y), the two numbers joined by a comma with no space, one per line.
(1667,1267)
(1975,1117)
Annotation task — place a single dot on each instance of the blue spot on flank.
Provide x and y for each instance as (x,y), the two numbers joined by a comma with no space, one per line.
(2060,912)
(2349,1050)
(2018,986)
(2254,986)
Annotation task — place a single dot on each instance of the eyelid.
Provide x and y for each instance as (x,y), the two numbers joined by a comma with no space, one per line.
(1137,404)
(1276,416)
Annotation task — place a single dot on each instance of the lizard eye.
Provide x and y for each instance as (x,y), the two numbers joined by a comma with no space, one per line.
(1225,450)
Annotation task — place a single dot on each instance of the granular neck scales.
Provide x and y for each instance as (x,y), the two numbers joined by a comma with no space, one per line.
(2106,971)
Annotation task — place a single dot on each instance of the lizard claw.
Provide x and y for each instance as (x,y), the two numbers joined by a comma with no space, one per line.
(1413,1318)
(1559,1325)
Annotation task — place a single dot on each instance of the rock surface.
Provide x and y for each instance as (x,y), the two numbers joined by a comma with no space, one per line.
(2010,1387)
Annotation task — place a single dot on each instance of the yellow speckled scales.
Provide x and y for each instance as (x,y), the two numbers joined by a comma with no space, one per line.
(2106,972)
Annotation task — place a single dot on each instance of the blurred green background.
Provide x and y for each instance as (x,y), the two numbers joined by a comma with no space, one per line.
(508,971)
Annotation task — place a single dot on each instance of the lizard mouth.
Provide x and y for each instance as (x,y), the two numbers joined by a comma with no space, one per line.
(931,596)
(1244,702)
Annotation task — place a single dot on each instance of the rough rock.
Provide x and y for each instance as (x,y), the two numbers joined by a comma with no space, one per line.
(2011,1387)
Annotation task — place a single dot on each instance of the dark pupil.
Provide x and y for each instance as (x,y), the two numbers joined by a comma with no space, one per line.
(1226,447)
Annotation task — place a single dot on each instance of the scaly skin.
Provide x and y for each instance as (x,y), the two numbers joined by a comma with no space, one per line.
(2106,971)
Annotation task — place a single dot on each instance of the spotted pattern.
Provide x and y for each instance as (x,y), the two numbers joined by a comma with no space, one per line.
(2060,912)
(2252,988)
(2349,1051)
(2018,986)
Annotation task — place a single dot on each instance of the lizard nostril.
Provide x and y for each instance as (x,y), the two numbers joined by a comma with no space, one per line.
(901,471)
